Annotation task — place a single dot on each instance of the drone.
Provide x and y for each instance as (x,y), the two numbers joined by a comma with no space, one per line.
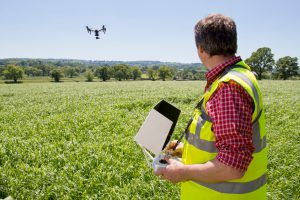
(97,31)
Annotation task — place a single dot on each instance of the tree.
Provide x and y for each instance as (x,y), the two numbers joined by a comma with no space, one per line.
(261,61)
(152,73)
(200,75)
(119,75)
(32,71)
(187,74)
(2,68)
(287,67)
(70,71)
(103,73)
(121,71)
(179,74)
(46,69)
(89,75)
(13,72)
(136,72)
(164,72)
(190,75)
(56,74)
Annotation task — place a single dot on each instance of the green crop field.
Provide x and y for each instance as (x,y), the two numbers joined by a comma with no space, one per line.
(74,140)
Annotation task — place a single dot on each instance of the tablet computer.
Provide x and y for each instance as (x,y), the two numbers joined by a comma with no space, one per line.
(158,127)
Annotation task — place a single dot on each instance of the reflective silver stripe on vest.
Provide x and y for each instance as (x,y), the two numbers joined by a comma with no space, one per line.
(194,139)
(204,145)
(249,82)
(259,144)
(236,187)
(210,146)
(204,115)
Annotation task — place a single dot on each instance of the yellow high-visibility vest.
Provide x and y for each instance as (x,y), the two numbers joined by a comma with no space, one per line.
(199,146)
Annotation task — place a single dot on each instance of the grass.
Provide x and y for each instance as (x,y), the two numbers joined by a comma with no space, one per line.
(74,140)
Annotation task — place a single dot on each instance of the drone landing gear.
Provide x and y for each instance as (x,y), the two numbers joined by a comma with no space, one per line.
(97,37)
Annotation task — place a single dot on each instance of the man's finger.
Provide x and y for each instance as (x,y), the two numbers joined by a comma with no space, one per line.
(171,145)
(159,171)
(169,161)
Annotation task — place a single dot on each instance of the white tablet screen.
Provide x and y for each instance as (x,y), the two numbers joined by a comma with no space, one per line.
(154,131)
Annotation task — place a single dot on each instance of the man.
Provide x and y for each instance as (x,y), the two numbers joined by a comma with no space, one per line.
(224,155)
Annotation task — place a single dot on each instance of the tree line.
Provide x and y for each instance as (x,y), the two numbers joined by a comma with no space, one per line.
(261,61)
(17,70)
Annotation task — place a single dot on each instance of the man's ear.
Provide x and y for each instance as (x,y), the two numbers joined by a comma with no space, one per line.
(200,49)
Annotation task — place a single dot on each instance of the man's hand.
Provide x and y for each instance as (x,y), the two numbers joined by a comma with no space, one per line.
(172,172)
(177,152)
(210,172)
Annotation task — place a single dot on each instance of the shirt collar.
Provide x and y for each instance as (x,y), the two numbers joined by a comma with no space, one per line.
(215,72)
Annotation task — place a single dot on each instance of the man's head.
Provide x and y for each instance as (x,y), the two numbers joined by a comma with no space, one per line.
(216,35)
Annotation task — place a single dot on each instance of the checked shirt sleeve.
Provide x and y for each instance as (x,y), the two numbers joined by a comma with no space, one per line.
(230,108)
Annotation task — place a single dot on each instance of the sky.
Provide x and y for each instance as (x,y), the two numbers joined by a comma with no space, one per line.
(157,30)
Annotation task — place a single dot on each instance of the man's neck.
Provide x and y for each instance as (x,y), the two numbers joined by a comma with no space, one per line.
(216,60)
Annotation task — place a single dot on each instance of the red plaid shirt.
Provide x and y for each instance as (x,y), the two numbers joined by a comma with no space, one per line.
(230,108)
